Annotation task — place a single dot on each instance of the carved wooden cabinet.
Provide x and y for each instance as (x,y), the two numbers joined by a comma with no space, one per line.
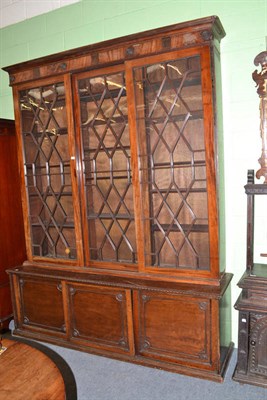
(119,148)
(251,364)
(12,241)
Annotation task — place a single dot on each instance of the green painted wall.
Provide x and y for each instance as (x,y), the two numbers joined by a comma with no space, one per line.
(245,23)
(91,21)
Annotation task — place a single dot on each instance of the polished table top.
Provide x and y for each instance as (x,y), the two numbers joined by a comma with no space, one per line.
(29,370)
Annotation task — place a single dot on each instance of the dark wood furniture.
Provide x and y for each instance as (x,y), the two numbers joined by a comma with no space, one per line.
(251,364)
(119,147)
(252,304)
(12,241)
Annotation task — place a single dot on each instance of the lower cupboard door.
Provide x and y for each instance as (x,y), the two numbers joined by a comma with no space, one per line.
(173,328)
(101,317)
(42,306)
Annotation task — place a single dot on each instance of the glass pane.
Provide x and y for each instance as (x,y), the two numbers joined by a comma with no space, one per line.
(260,231)
(47,171)
(173,166)
(106,157)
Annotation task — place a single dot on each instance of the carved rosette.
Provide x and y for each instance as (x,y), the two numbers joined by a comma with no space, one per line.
(261,81)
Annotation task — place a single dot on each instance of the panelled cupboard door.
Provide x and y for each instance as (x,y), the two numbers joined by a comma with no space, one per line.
(101,317)
(257,360)
(50,190)
(41,306)
(147,148)
(185,321)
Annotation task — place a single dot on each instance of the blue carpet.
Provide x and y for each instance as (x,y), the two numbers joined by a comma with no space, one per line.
(100,378)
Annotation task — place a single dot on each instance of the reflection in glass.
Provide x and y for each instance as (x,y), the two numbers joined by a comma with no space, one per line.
(106,158)
(172,158)
(47,171)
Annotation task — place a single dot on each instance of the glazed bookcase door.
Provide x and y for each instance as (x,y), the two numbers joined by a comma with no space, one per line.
(47,169)
(106,161)
(147,152)
(173,108)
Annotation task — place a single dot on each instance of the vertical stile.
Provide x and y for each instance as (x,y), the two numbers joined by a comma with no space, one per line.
(81,175)
(132,116)
(21,172)
(75,165)
(210,160)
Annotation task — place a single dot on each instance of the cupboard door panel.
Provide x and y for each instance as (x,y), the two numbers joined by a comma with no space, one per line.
(42,305)
(257,361)
(101,316)
(185,322)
